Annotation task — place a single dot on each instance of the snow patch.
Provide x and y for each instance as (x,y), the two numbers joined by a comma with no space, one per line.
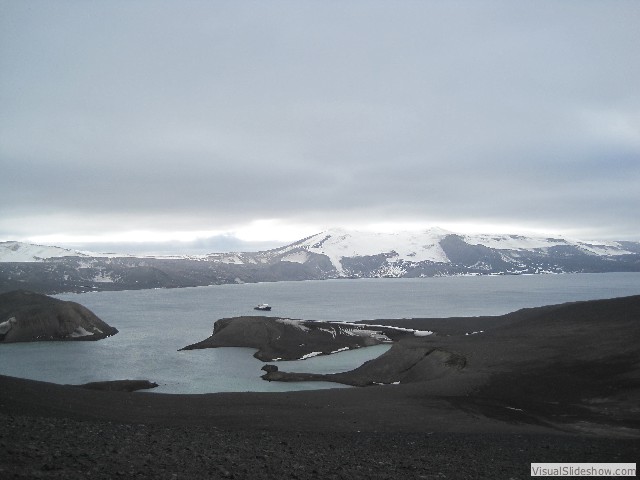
(356,332)
(343,349)
(309,355)
(422,333)
(230,259)
(475,333)
(330,331)
(102,277)
(7,325)
(417,333)
(294,323)
(296,257)
(80,332)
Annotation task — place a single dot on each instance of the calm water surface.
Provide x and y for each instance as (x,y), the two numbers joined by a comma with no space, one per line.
(154,324)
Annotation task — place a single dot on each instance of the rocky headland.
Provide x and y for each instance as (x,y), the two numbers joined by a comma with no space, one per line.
(31,317)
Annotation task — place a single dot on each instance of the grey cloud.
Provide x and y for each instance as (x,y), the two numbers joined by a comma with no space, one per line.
(214,114)
(203,246)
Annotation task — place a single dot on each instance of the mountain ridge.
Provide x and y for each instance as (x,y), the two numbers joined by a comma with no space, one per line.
(333,253)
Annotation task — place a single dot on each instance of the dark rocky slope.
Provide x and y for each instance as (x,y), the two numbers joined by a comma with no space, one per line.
(540,365)
(409,360)
(28,317)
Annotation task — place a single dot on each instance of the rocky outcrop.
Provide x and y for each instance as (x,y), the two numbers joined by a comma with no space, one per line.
(287,339)
(28,317)
(120,385)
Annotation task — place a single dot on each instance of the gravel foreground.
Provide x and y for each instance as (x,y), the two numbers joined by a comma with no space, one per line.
(41,447)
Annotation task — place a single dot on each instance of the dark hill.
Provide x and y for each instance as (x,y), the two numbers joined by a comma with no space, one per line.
(28,317)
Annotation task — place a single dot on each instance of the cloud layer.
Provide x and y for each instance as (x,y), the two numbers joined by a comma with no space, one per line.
(192,116)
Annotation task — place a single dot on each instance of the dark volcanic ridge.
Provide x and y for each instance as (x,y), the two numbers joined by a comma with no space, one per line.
(288,339)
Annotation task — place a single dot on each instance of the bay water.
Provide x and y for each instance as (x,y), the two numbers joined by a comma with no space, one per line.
(154,324)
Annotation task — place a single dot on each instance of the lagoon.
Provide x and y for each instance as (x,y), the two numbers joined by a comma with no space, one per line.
(154,324)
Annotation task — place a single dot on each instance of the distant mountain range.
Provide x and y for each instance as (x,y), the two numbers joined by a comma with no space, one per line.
(330,254)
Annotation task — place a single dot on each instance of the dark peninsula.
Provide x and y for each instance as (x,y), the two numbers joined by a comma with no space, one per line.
(286,339)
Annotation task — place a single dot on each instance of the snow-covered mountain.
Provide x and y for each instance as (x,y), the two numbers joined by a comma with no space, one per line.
(440,252)
(338,245)
(28,252)
(331,254)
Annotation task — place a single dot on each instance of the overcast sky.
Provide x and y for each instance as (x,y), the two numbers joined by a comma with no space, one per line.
(269,121)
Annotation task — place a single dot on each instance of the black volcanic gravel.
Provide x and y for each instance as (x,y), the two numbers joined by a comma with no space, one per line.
(38,447)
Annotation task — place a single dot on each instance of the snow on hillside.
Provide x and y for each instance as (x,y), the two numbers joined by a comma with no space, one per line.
(408,246)
(296,257)
(512,242)
(27,252)
(415,247)
(337,244)
(600,248)
(518,242)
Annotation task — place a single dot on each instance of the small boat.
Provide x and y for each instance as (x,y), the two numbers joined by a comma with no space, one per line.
(263,306)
